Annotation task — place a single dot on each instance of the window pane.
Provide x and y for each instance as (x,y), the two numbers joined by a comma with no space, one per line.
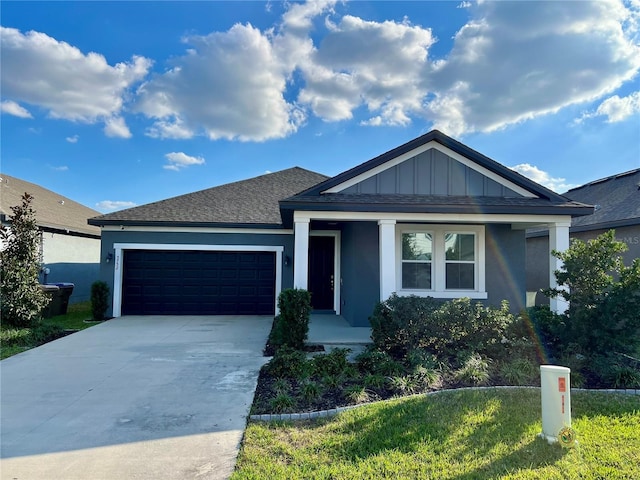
(416,275)
(460,276)
(460,246)
(416,246)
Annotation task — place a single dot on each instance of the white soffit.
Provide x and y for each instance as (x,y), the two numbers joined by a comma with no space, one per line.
(421,149)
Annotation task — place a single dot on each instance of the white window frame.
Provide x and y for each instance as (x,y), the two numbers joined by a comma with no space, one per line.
(430,262)
(438,261)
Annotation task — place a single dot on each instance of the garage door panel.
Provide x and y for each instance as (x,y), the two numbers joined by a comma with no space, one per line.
(198,282)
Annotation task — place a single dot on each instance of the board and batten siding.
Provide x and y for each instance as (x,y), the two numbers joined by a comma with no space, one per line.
(432,173)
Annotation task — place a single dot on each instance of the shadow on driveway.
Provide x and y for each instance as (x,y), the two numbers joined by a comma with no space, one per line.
(134,397)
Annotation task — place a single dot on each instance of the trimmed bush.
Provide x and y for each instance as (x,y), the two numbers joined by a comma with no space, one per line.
(289,363)
(99,300)
(406,327)
(291,327)
(332,363)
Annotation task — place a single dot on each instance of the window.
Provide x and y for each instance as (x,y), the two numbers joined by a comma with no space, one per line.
(460,261)
(441,260)
(417,251)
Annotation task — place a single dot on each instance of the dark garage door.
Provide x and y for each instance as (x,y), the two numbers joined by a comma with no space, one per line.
(159,282)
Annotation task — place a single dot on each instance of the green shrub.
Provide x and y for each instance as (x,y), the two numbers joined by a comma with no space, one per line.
(10,337)
(291,327)
(357,394)
(99,300)
(289,363)
(45,332)
(474,371)
(378,363)
(310,391)
(373,380)
(402,325)
(398,324)
(604,296)
(332,363)
(519,371)
(282,403)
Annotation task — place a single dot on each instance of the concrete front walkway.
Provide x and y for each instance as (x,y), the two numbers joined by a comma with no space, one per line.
(132,398)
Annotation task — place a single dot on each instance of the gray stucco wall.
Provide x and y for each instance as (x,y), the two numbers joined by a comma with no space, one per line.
(537,247)
(109,238)
(360,271)
(71,259)
(505,266)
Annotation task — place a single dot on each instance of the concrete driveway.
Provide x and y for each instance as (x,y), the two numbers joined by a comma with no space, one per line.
(132,398)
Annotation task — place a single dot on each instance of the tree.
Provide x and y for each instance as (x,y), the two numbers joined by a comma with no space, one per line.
(604,296)
(21,299)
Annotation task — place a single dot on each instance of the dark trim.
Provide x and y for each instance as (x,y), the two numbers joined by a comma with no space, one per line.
(630,222)
(450,143)
(151,223)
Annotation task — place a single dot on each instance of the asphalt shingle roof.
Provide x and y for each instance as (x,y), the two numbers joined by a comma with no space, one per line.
(617,200)
(247,202)
(53,210)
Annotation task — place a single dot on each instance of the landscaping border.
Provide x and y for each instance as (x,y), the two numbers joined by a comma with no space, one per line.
(279,417)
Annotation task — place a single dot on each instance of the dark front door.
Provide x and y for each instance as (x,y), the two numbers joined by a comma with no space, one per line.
(321,272)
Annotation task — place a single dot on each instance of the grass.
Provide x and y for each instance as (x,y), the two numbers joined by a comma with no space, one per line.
(14,341)
(463,435)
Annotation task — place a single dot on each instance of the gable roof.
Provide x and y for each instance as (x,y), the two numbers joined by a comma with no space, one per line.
(617,201)
(525,196)
(247,203)
(54,212)
(453,145)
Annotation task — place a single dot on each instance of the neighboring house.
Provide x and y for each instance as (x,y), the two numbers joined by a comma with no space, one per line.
(70,249)
(617,206)
(431,217)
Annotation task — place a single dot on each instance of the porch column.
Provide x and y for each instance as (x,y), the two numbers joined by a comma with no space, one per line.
(558,240)
(301,253)
(387,258)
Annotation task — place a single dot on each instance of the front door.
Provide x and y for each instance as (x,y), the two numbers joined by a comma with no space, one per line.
(321,272)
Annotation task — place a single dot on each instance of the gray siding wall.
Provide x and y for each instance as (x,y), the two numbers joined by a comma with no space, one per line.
(432,173)
(538,251)
(360,271)
(505,266)
(110,238)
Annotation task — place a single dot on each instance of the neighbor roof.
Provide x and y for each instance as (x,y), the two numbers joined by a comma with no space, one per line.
(617,201)
(248,203)
(53,211)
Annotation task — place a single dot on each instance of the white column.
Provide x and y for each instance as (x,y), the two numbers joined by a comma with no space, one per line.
(387,258)
(301,253)
(558,240)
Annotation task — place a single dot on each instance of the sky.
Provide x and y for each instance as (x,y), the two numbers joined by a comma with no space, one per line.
(117,104)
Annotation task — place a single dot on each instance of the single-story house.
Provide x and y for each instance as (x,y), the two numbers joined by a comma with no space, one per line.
(431,217)
(617,206)
(69,248)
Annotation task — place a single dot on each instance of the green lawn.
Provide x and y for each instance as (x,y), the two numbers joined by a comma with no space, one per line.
(459,435)
(13,341)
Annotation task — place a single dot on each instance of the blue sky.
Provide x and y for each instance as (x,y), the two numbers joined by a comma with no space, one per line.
(115,104)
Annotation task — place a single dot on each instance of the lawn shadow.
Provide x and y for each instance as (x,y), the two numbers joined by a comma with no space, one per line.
(460,424)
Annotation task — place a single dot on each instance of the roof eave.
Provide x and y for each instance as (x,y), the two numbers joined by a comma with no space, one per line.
(152,223)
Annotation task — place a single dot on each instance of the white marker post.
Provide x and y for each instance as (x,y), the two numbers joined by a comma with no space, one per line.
(556,402)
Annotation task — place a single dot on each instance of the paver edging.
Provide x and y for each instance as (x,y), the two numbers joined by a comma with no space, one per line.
(279,417)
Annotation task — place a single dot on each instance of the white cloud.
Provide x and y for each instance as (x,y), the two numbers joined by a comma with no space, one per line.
(532,172)
(13,108)
(116,127)
(180,160)
(616,109)
(229,85)
(61,168)
(73,139)
(58,77)
(111,205)
(517,60)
